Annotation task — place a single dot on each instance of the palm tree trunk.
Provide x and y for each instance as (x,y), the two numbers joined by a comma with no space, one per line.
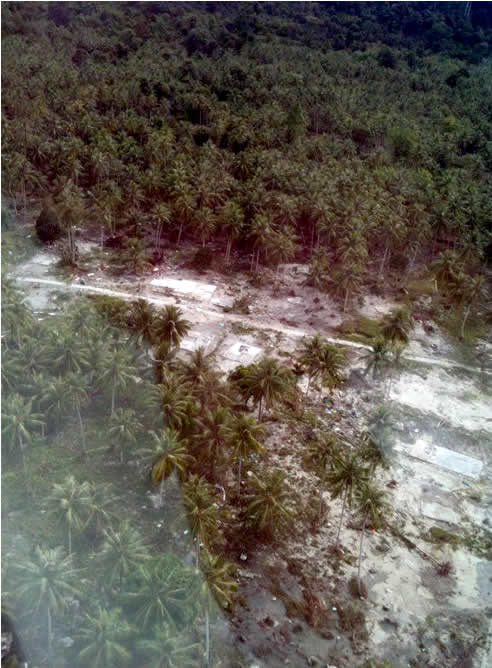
(161,492)
(207,635)
(228,249)
(113,397)
(341,516)
(346,300)
(197,546)
(467,313)
(69,538)
(82,431)
(179,234)
(381,268)
(21,445)
(49,630)
(259,410)
(360,549)
(239,477)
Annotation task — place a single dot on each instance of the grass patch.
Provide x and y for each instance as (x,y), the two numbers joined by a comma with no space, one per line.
(440,536)
(360,329)
(239,328)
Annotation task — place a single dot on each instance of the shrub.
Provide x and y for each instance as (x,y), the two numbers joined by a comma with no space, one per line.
(355,590)
(48,226)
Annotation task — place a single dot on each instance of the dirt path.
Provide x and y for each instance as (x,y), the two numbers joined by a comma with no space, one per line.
(273,325)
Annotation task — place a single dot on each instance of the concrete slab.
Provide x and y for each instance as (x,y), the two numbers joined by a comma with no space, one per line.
(185,286)
(192,343)
(447,459)
(242,353)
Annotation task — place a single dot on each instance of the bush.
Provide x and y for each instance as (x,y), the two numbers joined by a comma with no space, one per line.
(202,260)
(386,58)
(48,226)
(355,590)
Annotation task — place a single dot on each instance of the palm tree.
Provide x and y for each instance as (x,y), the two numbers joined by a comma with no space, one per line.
(169,648)
(170,325)
(72,504)
(217,583)
(105,639)
(162,592)
(231,218)
(377,357)
(124,429)
(212,437)
(54,400)
(77,386)
(68,353)
(320,453)
(346,476)
(165,359)
(267,507)
(268,382)
(199,499)
(375,451)
(310,354)
(117,372)
(446,268)
(173,456)
(141,318)
(330,365)
(161,213)
(242,435)
(45,581)
(169,401)
(371,505)
(17,318)
(19,423)
(397,325)
(122,551)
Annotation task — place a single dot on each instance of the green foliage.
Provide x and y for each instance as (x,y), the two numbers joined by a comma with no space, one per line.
(442,537)
(48,226)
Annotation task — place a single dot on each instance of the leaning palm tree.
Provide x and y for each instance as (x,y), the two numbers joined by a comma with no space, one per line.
(397,325)
(122,550)
(172,456)
(45,581)
(201,506)
(331,363)
(71,503)
(169,648)
(371,505)
(321,452)
(212,437)
(268,382)
(77,386)
(140,320)
(19,424)
(124,430)
(106,639)
(346,476)
(310,353)
(218,584)
(267,502)
(170,325)
(162,592)
(242,435)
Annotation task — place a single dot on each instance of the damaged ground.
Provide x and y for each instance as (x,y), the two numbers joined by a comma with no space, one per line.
(294,604)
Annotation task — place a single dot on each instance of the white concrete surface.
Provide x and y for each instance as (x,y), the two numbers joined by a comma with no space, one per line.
(185,286)
(443,457)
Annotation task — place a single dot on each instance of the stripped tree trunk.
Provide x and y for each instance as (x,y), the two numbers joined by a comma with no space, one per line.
(341,516)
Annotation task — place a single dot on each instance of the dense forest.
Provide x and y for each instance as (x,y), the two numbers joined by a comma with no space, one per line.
(356,133)
(355,137)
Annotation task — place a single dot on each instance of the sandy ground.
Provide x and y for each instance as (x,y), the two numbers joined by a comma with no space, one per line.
(438,402)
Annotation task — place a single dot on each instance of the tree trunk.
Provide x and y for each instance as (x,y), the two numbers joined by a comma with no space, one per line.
(207,635)
(341,516)
(381,268)
(49,630)
(21,444)
(259,410)
(467,313)
(161,492)
(69,539)
(113,397)
(82,431)
(346,300)
(197,547)
(228,249)
(360,549)
(239,477)
(179,234)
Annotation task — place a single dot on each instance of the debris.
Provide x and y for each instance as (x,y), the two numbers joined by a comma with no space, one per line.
(243,557)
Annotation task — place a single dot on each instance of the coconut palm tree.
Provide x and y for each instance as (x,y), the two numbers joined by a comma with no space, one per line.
(199,499)
(231,218)
(169,648)
(371,505)
(242,436)
(17,318)
(68,353)
(212,436)
(397,325)
(164,359)
(117,372)
(320,453)
(71,503)
(377,358)
(346,476)
(170,325)
(54,400)
(169,401)
(375,451)
(218,584)
(77,385)
(310,354)
(124,430)
(267,502)
(268,382)
(162,592)
(172,456)
(45,581)
(123,550)
(330,365)
(140,319)
(19,424)
(446,268)
(105,639)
